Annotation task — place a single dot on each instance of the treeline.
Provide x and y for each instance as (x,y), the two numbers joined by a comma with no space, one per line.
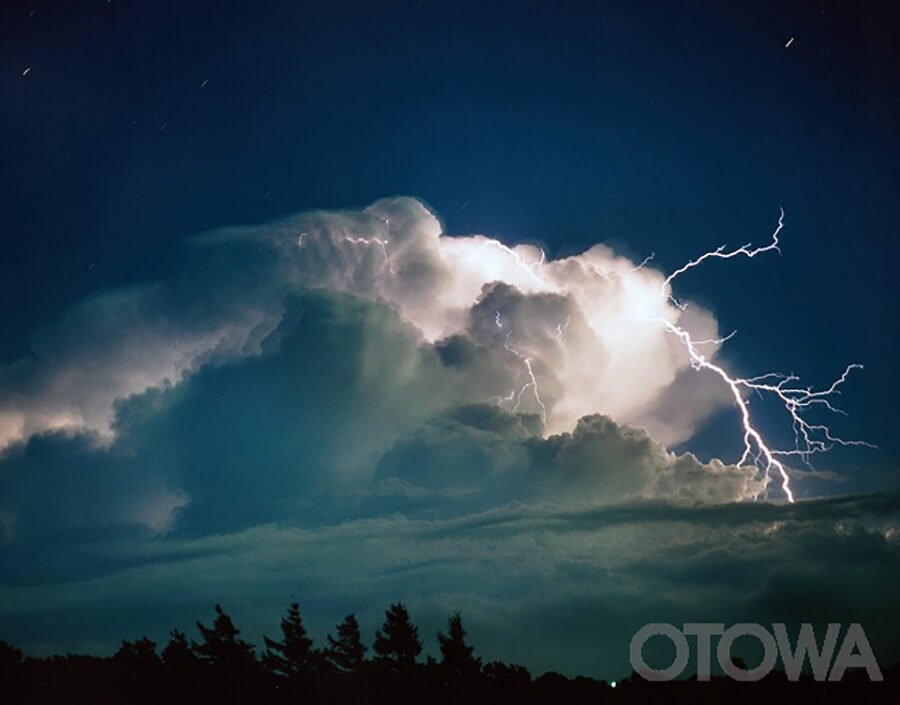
(221,667)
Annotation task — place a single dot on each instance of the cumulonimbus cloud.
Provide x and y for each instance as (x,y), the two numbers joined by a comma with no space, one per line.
(344,412)
(360,389)
(577,335)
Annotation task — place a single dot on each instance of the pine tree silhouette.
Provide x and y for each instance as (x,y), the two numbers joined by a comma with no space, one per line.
(75,679)
(456,654)
(138,657)
(231,672)
(346,653)
(10,658)
(181,668)
(397,642)
(10,671)
(293,656)
(178,654)
(221,645)
(137,670)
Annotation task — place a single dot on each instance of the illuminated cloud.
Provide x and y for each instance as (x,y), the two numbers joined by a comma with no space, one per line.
(343,412)
(582,326)
(473,458)
(338,406)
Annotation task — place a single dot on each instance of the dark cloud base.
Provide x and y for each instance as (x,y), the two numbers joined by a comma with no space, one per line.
(553,588)
(350,464)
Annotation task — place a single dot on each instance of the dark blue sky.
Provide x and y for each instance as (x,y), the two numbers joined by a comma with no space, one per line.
(664,127)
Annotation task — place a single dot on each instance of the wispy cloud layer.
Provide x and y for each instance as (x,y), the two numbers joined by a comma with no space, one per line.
(545,585)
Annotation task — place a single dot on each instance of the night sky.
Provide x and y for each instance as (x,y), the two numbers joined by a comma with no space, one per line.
(206,420)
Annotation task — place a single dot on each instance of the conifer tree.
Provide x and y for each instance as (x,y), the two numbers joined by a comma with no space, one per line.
(456,654)
(182,670)
(137,656)
(397,642)
(293,656)
(346,653)
(178,654)
(10,657)
(10,668)
(221,646)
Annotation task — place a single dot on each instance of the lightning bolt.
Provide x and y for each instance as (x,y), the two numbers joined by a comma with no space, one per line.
(721,254)
(522,264)
(383,244)
(369,241)
(716,341)
(649,258)
(808,438)
(561,329)
(785,389)
(532,380)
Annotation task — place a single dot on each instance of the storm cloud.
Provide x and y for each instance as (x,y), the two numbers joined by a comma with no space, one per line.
(586,321)
(344,411)
(355,408)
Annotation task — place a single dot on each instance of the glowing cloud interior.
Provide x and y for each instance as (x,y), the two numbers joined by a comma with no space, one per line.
(590,333)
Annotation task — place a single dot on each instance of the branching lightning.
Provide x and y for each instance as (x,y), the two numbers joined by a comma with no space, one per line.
(383,244)
(649,258)
(522,264)
(532,380)
(716,341)
(784,389)
(721,254)
(808,438)
(368,241)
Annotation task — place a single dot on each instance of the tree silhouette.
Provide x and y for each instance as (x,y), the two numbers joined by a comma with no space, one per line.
(292,657)
(138,657)
(181,668)
(346,653)
(507,674)
(138,668)
(10,669)
(230,671)
(222,670)
(178,654)
(456,654)
(397,642)
(10,658)
(221,645)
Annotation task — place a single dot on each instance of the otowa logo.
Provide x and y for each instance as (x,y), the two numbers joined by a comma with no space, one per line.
(854,652)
